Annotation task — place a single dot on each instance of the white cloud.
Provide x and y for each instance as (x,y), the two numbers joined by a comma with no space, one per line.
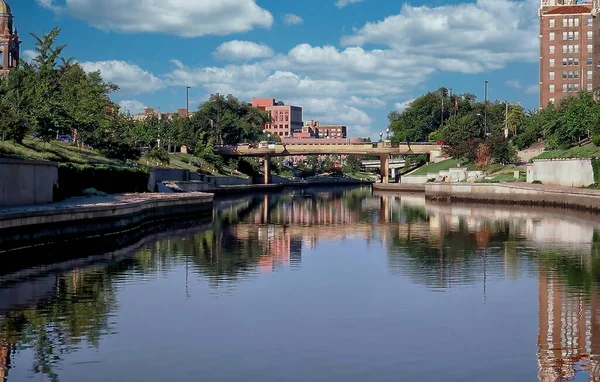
(292,19)
(343,3)
(401,106)
(176,17)
(513,84)
(131,78)
(370,102)
(29,55)
(242,51)
(533,89)
(467,37)
(131,106)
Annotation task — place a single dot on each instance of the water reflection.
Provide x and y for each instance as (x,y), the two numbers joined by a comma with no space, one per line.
(49,315)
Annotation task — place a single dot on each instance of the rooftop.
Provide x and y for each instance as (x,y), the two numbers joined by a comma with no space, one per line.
(570,9)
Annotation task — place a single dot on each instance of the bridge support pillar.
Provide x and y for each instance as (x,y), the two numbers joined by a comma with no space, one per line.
(267,170)
(394,173)
(385,167)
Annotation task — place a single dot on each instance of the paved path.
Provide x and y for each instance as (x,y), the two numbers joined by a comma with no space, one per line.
(97,201)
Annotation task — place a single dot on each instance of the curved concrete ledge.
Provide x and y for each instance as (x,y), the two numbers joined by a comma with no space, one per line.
(516,194)
(22,227)
(399,187)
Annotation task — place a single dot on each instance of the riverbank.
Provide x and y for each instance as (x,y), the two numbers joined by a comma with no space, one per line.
(95,217)
(523,194)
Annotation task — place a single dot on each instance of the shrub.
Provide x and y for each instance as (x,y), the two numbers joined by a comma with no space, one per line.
(74,179)
(536,182)
(159,154)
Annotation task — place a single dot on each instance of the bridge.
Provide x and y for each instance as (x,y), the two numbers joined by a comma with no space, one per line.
(381,149)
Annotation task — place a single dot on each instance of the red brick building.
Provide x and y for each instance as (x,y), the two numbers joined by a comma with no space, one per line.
(285,119)
(9,40)
(569,46)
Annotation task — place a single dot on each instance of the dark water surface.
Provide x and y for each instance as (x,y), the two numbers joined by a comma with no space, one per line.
(322,285)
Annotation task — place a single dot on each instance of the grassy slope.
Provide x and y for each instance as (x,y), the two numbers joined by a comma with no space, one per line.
(32,148)
(589,151)
(435,167)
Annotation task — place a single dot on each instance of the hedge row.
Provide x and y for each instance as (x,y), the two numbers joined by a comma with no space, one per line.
(74,178)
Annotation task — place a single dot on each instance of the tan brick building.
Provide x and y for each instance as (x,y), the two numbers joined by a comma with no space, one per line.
(569,48)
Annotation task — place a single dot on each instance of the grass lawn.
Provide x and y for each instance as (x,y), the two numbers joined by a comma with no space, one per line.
(435,167)
(589,151)
(32,148)
(361,175)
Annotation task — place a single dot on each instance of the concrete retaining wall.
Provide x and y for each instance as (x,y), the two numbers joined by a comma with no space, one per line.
(61,222)
(25,182)
(158,175)
(227,180)
(562,172)
(515,194)
(414,179)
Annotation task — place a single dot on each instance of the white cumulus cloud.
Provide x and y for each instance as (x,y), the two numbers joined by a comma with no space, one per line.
(343,3)
(131,78)
(292,19)
(131,106)
(175,17)
(242,51)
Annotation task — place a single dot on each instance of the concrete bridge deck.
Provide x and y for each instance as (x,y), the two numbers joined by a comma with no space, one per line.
(377,149)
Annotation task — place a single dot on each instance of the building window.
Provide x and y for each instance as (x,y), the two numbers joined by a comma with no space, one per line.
(564,22)
(588,61)
(590,34)
(577,22)
(551,88)
(576,74)
(565,49)
(570,49)
(564,88)
(570,88)
(551,62)
(552,23)
(590,48)
(565,61)
(589,87)
(551,100)
(576,61)
(571,23)
(564,75)
(551,49)
(589,74)
(576,48)
(590,21)
(286,126)
(564,36)
(576,36)
(576,87)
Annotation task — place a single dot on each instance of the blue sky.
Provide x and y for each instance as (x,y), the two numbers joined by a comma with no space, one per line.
(345,61)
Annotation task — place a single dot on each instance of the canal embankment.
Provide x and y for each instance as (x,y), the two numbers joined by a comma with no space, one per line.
(523,194)
(95,217)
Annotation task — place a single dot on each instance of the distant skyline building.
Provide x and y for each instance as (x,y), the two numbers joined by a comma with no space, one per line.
(285,119)
(569,48)
(149,112)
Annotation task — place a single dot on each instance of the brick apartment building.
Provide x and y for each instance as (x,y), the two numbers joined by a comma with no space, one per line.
(314,129)
(148,112)
(285,119)
(569,48)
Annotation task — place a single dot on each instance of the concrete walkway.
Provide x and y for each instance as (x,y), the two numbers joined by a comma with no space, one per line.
(96,201)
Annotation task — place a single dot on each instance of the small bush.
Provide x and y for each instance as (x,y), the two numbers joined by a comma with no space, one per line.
(159,154)
(536,182)
(93,192)
(76,179)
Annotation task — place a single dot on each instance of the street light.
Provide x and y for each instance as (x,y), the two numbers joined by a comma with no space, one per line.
(387,132)
(380,136)
(187,101)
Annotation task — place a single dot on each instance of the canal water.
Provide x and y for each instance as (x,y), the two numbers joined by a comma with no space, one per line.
(321,285)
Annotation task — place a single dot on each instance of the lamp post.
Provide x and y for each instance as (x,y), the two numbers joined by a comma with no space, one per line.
(485,108)
(380,136)
(479,121)
(187,101)
(387,133)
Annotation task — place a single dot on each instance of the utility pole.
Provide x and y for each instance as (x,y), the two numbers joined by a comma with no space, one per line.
(442,115)
(506,120)
(485,109)
(451,103)
(187,102)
